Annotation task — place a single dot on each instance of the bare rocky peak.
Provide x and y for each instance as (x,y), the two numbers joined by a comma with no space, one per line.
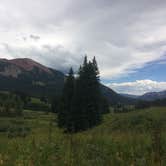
(26,64)
(15,66)
(29,64)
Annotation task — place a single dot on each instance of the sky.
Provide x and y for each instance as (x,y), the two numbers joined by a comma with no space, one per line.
(127,37)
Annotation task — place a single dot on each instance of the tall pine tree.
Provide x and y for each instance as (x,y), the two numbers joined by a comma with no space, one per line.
(87,96)
(65,112)
(81,102)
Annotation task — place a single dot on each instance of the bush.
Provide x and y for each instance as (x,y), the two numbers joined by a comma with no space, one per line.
(120,108)
(38,107)
(18,131)
(142,104)
(4,127)
(10,105)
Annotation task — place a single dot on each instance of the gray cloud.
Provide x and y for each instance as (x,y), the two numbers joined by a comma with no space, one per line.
(34,37)
(55,57)
(123,35)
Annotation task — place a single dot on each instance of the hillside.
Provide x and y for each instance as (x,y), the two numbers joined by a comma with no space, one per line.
(115,98)
(129,95)
(151,96)
(28,76)
(32,78)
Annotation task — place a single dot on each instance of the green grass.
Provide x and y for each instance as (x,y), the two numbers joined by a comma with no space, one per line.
(36,100)
(124,139)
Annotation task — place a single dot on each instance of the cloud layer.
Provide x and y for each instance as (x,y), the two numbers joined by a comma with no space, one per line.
(138,87)
(123,35)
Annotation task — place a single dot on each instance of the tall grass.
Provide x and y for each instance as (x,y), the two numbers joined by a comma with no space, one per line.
(127,139)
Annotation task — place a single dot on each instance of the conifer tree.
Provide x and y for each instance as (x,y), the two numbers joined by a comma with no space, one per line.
(87,96)
(64,114)
(82,100)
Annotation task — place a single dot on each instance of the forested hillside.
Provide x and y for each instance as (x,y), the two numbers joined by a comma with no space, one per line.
(29,77)
(32,79)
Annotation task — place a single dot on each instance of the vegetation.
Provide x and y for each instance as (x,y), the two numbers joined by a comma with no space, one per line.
(43,82)
(82,104)
(121,108)
(10,105)
(66,113)
(146,104)
(129,135)
(35,82)
(122,139)
(37,104)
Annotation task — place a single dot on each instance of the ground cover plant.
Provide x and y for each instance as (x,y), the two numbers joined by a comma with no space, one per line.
(132,138)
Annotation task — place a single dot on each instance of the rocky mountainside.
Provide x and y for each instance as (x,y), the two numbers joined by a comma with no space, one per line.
(14,67)
(28,76)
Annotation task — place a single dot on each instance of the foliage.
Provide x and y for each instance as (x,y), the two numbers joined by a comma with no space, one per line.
(38,105)
(10,104)
(66,114)
(34,82)
(104,105)
(55,104)
(146,104)
(82,102)
(121,108)
(142,104)
(122,139)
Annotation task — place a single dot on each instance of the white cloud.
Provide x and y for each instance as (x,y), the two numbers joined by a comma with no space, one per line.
(138,87)
(123,35)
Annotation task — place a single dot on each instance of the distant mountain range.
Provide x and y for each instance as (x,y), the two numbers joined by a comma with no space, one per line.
(115,98)
(130,95)
(150,96)
(32,78)
(153,96)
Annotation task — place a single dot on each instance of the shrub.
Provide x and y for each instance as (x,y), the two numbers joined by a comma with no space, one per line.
(18,131)
(10,105)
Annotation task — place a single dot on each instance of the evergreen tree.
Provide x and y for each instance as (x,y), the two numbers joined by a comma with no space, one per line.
(95,66)
(82,102)
(104,105)
(64,114)
(87,96)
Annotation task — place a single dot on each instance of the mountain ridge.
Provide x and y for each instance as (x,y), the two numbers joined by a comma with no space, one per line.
(28,76)
(26,64)
(151,96)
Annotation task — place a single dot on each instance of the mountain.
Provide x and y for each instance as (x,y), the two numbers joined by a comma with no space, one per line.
(114,98)
(130,95)
(151,96)
(27,76)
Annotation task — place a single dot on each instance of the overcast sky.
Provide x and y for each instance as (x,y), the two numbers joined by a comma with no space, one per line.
(124,35)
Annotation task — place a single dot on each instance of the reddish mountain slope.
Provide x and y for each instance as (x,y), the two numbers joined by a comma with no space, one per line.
(26,64)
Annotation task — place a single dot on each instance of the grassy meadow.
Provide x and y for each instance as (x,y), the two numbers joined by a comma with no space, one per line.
(135,138)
